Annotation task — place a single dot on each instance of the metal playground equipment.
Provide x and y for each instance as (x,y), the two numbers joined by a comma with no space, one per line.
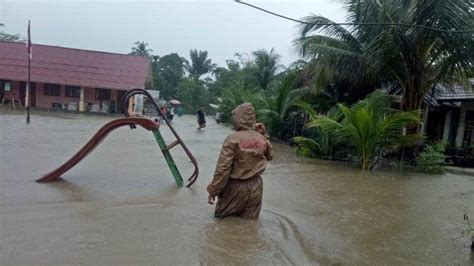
(147,124)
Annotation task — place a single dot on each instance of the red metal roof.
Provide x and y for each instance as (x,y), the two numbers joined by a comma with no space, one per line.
(68,66)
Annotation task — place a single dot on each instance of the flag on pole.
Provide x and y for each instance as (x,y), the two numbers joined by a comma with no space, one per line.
(28,44)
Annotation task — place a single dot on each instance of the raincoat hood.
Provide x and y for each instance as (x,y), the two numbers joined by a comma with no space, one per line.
(243,116)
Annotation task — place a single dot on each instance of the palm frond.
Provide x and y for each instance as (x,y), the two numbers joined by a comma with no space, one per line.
(308,143)
(315,24)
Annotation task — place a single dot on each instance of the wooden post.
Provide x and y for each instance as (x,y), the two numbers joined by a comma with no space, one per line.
(131,105)
(81,100)
(461,127)
(447,125)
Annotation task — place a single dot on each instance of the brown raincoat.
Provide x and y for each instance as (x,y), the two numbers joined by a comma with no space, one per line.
(237,182)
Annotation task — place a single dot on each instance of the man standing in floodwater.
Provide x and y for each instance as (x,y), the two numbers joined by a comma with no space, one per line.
(237,181)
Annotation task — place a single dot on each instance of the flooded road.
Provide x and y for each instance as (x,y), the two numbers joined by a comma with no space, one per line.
(120,205)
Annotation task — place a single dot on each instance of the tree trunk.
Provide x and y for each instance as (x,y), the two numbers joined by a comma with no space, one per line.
(412,99)
(364,161)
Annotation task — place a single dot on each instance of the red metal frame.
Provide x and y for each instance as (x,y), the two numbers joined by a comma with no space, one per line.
(146,123)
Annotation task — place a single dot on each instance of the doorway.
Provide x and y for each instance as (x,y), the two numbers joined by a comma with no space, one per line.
(119,104)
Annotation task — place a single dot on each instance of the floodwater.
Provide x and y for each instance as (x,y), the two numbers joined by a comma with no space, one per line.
(120,205)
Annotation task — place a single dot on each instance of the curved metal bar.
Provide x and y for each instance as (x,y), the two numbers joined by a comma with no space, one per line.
(146,123)
(134,92)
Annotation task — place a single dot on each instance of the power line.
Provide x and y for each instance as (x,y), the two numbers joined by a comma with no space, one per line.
(355,24)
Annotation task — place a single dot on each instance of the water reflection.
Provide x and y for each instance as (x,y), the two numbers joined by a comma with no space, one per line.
(69,191)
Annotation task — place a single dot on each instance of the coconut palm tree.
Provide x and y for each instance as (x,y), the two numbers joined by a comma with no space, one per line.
(415,58)
(200,64)
(9,37)
(265,67)
(235,94)
(322,144)
(276,103)
(142,49)
(369,125)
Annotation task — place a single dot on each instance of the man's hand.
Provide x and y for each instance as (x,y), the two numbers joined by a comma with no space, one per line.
(211,199)
(260,128)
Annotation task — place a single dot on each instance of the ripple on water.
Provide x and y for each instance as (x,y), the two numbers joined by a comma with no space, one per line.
(273,239)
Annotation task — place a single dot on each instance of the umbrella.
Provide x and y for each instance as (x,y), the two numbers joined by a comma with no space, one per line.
(175,102)
(161,103)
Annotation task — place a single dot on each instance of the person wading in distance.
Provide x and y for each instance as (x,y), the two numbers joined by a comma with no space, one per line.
(201,118)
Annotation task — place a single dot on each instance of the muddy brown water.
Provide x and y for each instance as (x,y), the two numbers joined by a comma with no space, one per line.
(120,205)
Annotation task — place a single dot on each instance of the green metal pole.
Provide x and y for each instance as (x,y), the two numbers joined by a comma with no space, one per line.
(168,158)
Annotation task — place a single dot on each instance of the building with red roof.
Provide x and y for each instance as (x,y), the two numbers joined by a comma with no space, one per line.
(67,78)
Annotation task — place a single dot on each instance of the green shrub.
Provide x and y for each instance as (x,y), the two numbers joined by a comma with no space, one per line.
(431,160)
(307,147)
(369,126)
(305,152)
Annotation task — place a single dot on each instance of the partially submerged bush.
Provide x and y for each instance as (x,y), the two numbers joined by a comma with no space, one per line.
(318,142)
(431,160)
(369,126)
(307,147)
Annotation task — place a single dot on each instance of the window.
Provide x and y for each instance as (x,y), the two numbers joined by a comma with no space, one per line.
(52,89)
(102,94)
(6,85)
(72,91)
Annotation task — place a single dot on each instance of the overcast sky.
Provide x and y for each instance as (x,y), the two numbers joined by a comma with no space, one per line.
(221,27)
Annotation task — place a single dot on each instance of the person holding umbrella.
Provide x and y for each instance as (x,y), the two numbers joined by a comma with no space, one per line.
(172,110)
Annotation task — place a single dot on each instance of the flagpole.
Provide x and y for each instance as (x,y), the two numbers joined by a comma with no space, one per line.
(28,84)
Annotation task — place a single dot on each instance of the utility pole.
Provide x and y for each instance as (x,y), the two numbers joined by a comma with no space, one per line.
(28,84)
